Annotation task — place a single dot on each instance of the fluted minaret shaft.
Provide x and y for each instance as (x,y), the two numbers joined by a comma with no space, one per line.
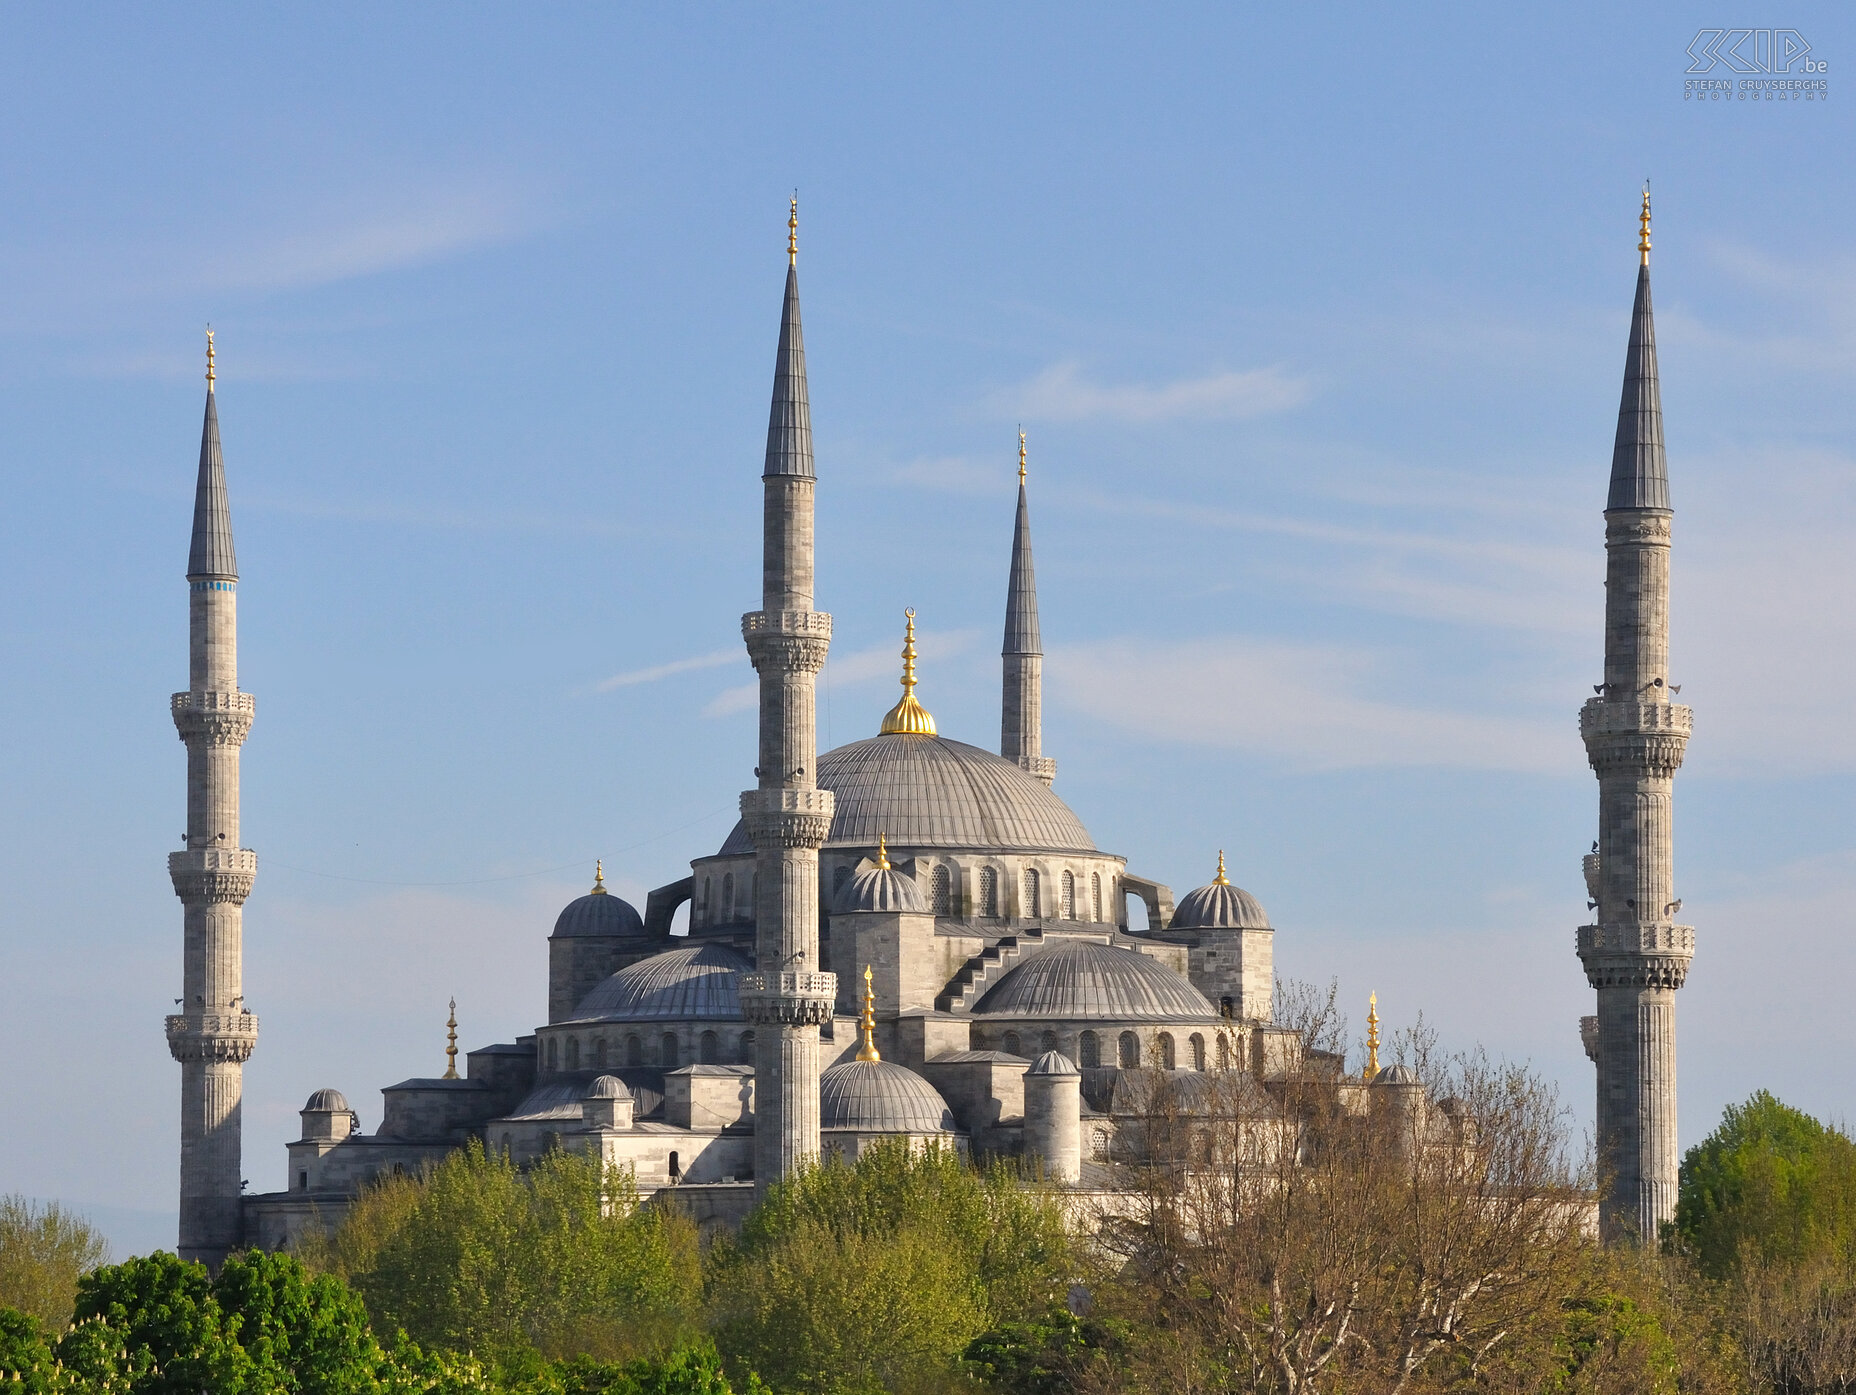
(1021,722)
(787,815)
(212,1035)
(1635,955)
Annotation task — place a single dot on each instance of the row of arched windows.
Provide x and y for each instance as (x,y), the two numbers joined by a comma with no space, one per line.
(1128,1050)
(723,911)
(986,900)
(631,1050)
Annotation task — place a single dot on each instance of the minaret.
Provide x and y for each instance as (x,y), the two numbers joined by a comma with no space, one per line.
(1636,956)
(787,816)
(1021,724)
(212,1035)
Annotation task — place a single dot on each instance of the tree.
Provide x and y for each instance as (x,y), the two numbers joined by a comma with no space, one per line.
(875,1277)
(43,1251)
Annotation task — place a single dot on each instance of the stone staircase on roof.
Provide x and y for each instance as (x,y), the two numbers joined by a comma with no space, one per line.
(985,969)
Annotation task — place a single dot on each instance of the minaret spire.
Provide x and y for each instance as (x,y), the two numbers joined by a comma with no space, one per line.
(788,817)
(1635,956)
(1021,719)
(213,1034)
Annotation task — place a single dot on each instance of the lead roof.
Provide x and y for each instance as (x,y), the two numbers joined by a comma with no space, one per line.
(1639,470)
(211,557)
(1021,593)
(789,423)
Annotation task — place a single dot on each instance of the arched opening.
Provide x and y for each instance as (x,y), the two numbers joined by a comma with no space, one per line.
(667,1052)
(1099,1145)
(1090,1050)
(943,884)
(703,905)
(1197,1046)
(728,899)
(838,879)
(573,1053)
(1095,895)
(1163,1048)
(554,1054)
(1034,909)
(302,1181)
(1010,1044)
(709,1049)
(676,1167)
(1224,1053)
(1130,1051)
(989,891)
(744,1053)
(1227,1007)
(599,1053)
(634,1051)
(1048,1042)
(1069,896)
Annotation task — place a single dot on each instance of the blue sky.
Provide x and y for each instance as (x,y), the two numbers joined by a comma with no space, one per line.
(1316,326)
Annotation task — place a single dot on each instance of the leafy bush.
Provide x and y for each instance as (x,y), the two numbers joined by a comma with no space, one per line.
(43,1250)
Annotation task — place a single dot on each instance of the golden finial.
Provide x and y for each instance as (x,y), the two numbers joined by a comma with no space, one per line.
(599,878)
(451,1042)
(1021,455)
(209,358)
(868,1051)
(1372,1040)
(1643,220)
(882,852)
(792,234)
(908,717)
(1221,879)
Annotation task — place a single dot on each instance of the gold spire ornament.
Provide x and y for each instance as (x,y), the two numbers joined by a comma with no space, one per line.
(1371,1072)
(451,1043)
(908,717)
(1221,879)
(1021,455)
(868,1051)
(882,852)
(209,358)
(1643,225)
(599,878)
(792,234)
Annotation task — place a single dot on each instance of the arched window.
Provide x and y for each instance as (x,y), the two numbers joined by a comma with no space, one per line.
(1099,1145)
(668,1051)
(1069,896)
(1130,1051)
(1224,1052)
(703,905)
(1163,1048)
(989,891)
(745,1052)
(1047,1042)
(599,1053)
(1088,1048)
(1227,1008)
(838,879)
(728,898)
(1197,1045)
(554,1054)
(676,1168)
(634,1051)
(1034,909)
(943,884)
(1095,895)
(709,1051)
(302,1181)
(1011,1044)
(573,1053)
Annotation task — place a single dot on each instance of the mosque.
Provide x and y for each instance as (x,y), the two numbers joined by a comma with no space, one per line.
(905,937)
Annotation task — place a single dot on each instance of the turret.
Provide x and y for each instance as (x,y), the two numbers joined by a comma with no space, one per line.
(1021,725)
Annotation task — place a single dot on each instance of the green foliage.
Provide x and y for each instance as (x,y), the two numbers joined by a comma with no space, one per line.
(1053,1355)
(876,1277)
(1771,1184)
(43,1251)
(25,1359)
(482,1257)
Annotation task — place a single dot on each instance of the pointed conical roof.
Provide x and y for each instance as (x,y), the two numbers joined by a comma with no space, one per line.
(1021,593)
(789,424)
(1639,471)
(211,557)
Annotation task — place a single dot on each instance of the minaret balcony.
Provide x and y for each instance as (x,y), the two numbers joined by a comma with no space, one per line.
(1605,716)
(793,641)
(213,875)
(1633,937)
(788,818)
(223,718)
(220,1038)
(794,999)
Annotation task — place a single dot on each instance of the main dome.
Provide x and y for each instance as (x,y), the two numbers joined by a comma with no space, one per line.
(697,982)
(1084,980)
(930,792)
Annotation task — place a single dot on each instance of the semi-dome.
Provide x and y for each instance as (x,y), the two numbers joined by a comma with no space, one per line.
(697,982)
(607,1087)
(327,1102)
(1083,979)
(1219,906)
(599,912)
(880,1097)
(930,792)
(879,888)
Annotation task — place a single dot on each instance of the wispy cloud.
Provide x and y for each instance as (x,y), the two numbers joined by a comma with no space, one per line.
(1061,393)
(674,667)
(1305,706)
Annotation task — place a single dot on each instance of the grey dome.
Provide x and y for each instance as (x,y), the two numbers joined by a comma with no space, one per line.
(698,982)
(327,1102)
(879,889)
(929,792)
(1053,1063)
(1083,979)
(598,913)
(880,1097)
(607,1087)
(1219,906)
(1395,1075)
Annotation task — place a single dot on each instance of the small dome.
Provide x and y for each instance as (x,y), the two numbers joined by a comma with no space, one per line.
(599,912)
(1395,1075)
(607,1087)
(880,1097)
(879,888)
(1083,979)
(1053,1063)
(695,983)
(327,1102)
(1219,906)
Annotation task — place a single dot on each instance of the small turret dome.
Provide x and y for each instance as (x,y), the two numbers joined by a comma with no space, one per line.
(879,888)
(327,1102)
(607,1087)
(1053,1063)
(880,1097)
(1395,1075)
(1219,906)
(599,912)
